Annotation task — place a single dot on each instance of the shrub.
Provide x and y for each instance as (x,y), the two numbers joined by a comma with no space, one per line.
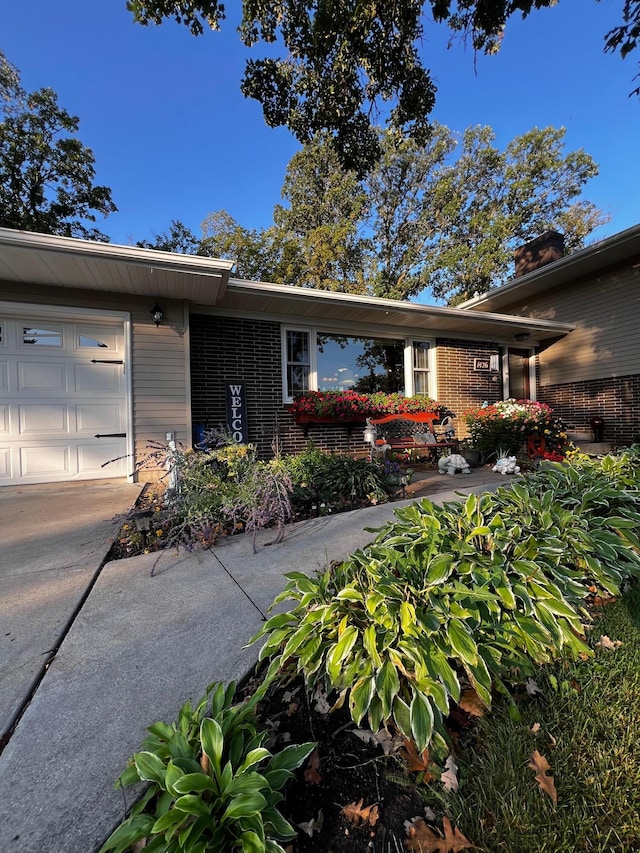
(262,499)
(474,591)
(328,483)
(213,786)
(509,424)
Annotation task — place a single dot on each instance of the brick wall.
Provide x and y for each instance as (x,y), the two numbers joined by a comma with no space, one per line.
(224,349)
(616,400)
(459,386)
(248,350)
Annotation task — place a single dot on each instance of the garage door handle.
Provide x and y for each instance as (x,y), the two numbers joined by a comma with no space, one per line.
(111,435)
(106,361)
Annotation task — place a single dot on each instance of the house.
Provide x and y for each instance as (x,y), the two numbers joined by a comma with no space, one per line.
(106,350)
(595,371)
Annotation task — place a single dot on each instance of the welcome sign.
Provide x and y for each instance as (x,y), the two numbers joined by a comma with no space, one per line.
(237,411)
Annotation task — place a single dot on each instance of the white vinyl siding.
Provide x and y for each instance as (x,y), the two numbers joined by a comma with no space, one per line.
(606,311)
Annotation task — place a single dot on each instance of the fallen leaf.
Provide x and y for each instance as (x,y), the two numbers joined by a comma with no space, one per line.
(288,695)
(472,703)
(389,743)
(417,763)
(605,643)
(313,825)
(423,839)
(532,687)
(358,814)
(552,740)
(584,656)
(204,762)
(450,777)
(320,697)
(535,728)
(599,601)
(365,735)
(540,764)
(312,773)
(293,707)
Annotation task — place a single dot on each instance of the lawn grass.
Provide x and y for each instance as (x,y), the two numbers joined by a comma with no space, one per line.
(589,717)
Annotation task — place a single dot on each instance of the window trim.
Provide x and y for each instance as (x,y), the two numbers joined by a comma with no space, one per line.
(313,331)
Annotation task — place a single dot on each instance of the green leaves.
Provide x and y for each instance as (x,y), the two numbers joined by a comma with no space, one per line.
(209,796)
(421,715)
(212,740)
(465,591)
(460,593)
(461,641)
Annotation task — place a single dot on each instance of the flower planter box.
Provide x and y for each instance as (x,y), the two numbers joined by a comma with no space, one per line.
(317,419)
(305,421)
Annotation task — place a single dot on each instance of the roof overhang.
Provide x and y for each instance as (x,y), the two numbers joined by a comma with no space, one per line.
(51,261)
(320,306)
(63,262)
(587,262)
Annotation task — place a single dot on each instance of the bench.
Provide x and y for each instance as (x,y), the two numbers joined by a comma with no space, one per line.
(407,432)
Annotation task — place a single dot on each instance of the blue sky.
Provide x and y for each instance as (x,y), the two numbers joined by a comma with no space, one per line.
(174,138)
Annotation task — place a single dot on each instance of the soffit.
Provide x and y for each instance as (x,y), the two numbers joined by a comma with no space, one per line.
(51,261)
(314,306)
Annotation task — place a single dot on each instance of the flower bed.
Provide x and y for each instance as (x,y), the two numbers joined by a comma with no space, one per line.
(510,424)
(342,406)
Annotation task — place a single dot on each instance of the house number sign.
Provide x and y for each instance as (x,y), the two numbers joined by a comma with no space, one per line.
(489,362)
(237,410)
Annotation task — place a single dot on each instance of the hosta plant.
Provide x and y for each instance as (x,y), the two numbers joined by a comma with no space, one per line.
(213,786)
(478,592)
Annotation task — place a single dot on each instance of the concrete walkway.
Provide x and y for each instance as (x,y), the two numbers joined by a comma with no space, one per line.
(137,649)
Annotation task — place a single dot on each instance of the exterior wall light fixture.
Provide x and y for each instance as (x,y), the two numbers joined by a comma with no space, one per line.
(157,314)
(522,336)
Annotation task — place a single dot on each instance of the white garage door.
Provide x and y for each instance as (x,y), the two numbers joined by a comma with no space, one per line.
(62,400)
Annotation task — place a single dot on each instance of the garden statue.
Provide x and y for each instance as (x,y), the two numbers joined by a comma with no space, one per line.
(452,463)
(506,465)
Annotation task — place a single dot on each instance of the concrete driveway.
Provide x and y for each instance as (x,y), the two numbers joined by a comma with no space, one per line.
(54,539)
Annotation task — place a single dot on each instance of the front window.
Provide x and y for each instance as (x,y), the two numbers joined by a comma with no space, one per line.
(346,362)
(421,367)
(323,361)
(298,362)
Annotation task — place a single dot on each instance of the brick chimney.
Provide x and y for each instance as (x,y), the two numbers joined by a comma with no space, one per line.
(543,250)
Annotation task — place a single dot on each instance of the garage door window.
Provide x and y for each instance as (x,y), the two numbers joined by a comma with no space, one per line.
(42,337)
(84,341)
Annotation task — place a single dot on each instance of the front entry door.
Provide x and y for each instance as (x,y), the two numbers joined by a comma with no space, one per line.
(519,380)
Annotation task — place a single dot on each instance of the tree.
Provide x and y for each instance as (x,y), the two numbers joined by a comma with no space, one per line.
(343,62)
(9,79)
(46,176)
(625,37)
(178,239)
(260,255)
(327,205)
(444,217)
(409,208)
(501,199)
